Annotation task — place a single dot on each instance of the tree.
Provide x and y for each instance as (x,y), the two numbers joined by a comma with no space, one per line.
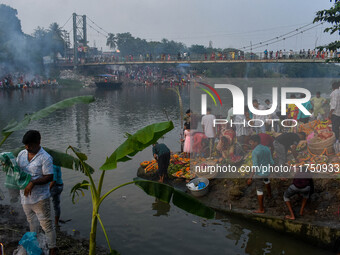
(331,16)
(111,41)
(198,49)
(56,41)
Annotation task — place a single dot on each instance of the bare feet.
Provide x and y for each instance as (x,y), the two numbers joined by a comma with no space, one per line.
(53,251)
(290,217)
(301,213)
(258,211)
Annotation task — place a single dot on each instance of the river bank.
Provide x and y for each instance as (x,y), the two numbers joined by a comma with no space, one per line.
(320,224)
(14,226)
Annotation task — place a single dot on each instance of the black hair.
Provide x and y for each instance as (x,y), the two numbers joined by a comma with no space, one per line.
(255,101)
(267,100)
(246,109)
(335,85)
(186,125)
(318,92)
(225,140)
(208,109)
(188,111)
(256,138)
(303,134)
(31,137)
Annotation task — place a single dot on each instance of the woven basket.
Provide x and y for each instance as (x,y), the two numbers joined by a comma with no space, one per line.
(317,147)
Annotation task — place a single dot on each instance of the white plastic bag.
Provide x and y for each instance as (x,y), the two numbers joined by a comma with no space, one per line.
(20,251)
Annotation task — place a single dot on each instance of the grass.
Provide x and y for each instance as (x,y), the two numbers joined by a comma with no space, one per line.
(69,83)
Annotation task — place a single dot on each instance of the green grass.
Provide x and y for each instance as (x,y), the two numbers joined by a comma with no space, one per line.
(70,83)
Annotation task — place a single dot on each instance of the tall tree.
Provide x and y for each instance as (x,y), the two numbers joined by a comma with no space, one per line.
(111,41)
(331,16)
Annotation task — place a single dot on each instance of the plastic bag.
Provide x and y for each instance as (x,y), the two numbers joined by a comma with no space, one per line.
(20,251)
(30,242)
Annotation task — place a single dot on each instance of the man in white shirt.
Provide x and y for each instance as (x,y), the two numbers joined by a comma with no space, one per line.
(35,198)
(334,113)
(209,129)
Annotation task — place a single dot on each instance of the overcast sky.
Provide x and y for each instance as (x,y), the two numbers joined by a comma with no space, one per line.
(227,23)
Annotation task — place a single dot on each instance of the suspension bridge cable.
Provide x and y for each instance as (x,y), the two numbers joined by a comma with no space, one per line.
(106,35)
(287,37)
(67,21)
(277,37)
(269,42)
(98,26)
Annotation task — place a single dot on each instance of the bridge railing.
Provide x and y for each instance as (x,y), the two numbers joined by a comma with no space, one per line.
(230,56)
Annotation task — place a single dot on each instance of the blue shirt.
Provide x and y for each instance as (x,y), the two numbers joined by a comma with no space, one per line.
(308,105)
(262,156)
(160,149)
(57,174)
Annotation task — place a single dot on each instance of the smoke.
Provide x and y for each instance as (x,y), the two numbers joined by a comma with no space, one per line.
(24,53)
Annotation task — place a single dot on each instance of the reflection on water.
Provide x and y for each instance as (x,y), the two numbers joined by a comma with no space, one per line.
(97,129)
(160,207)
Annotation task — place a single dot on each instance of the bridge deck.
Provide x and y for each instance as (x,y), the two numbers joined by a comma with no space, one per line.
(201,62)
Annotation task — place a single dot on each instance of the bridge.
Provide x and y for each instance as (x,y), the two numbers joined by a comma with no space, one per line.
(82,57)
(104,63)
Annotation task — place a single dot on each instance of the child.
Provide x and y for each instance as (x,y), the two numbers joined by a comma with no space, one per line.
(187,140)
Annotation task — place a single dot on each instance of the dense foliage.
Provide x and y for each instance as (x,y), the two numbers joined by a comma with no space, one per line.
(331,16)
(22,52)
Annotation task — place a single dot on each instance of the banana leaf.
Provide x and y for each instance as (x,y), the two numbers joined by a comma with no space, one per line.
(62,159)
(14,125)
(137,142)
(180,199)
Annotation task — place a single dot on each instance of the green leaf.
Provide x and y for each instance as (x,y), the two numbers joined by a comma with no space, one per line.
(78,188)
(62,159)
(80,155)
(14,125)
(192,205)
(180,199)
(137,142)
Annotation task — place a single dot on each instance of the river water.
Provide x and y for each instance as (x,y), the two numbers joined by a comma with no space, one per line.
(135,222)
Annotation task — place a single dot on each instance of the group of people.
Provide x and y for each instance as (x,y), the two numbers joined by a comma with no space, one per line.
(154,75)
(20,81)
(220,55)
(302,54)
(238,139)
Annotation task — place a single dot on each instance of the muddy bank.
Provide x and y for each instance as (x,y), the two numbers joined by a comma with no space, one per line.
(13,226)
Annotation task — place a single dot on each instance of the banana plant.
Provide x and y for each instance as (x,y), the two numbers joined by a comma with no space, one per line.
(142,139)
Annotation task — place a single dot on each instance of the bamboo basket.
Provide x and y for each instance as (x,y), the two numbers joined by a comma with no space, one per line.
(317,147)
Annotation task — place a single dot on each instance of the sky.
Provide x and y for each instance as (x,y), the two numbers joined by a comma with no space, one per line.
(227,23)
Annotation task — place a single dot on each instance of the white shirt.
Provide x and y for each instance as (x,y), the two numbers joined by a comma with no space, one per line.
(41,164)
(230,114)
(335,102)
(241,125)
(208,123)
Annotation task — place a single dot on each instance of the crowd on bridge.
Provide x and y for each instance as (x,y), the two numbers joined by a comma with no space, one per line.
(280,54)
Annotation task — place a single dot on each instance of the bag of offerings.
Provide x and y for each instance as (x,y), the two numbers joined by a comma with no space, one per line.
(15,178)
